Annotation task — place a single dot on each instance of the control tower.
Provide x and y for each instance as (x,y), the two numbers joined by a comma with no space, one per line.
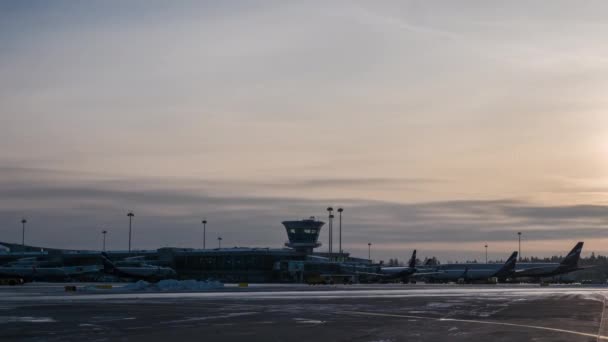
(303,234)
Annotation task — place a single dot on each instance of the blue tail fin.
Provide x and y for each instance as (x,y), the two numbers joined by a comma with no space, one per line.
(108,265)
(508,268)
(412,262)
(572,258)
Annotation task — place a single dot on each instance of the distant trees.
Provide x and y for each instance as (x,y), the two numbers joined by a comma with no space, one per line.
(432,261)
(393,262)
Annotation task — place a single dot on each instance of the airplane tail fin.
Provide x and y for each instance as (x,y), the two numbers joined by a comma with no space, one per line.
(572,258)
(412,262)
(108,265)
(465,274)
(508,268)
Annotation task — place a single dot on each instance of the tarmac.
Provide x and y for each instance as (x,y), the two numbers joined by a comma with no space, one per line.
(370,313)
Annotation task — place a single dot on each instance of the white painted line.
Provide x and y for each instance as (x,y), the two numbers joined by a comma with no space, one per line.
(599,332)
(598,336)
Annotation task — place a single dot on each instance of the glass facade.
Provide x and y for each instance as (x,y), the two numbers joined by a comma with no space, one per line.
(303,235)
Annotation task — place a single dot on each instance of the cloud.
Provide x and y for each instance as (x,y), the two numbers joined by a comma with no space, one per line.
(332,182)
(248,114)
(71,215)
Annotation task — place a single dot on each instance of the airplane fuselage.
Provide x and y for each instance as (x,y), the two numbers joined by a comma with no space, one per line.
(538,270)
(32,272)
(144,272)
(398,271)
(455,272)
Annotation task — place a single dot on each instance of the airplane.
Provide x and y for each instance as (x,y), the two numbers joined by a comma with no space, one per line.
(474,271)
(541,270)
(30,269)
(402,272)
(136,269)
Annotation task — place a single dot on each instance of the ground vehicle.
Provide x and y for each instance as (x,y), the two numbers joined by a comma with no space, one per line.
(11,281)
(329,279)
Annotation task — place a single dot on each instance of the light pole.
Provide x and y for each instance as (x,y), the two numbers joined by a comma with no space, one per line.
(486,246)
(104,232)
(204,233)
(369,251)
(340,210)
(519,244)
(331,246)
(219,242)
(130,215)
(329,229)
(23,222)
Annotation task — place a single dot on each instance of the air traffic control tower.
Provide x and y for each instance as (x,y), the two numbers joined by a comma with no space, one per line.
(303,234)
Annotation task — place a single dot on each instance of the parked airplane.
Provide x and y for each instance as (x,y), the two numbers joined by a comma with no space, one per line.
(404,273)
(30,269)
(136,269)
(474,271)
(401,271)
(540,270)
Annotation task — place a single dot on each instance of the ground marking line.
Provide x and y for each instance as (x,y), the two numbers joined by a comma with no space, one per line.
(599,332)
(598,336)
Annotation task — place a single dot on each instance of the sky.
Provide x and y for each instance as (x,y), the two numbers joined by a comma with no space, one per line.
(436,125)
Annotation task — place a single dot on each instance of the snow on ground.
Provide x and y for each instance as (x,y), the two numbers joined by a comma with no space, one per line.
(13,319)
(205,318)
(308,321)
(450,295)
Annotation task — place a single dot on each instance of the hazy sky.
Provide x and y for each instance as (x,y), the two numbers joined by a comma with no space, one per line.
(438,125)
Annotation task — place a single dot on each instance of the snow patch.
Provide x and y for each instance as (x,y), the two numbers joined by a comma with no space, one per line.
(440,305)
(27,319)
(104,319)
(592,296)
(205,318)
(308,321)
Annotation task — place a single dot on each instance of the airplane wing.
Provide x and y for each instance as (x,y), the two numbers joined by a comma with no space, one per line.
(539,269)
(421,274)
(412,275)
(580,268)
(535,272)
(374,274)
(135,258)
(529,269)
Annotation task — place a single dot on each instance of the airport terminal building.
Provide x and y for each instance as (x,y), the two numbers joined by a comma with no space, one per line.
(292,263)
